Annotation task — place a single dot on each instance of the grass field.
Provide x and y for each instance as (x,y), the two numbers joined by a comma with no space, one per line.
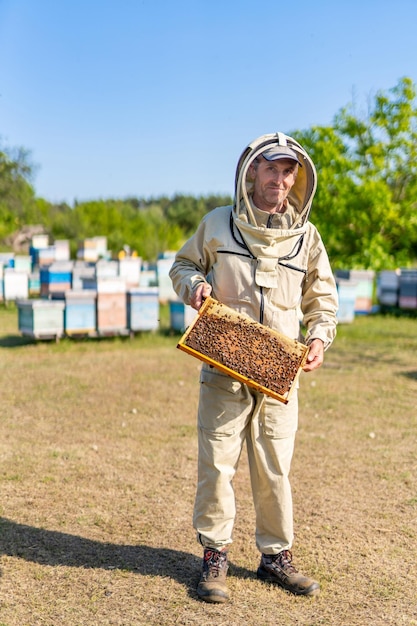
(97,480)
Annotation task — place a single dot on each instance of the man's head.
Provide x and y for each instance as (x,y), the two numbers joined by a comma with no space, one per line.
(273,174)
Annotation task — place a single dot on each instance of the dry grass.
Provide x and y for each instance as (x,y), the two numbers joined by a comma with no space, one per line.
(97,477)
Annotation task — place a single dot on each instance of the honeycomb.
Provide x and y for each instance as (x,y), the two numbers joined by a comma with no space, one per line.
(245,349)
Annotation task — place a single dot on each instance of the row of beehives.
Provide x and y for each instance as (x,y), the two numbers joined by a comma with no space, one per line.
(42,253)
(398,288)
(48,269)
(360,290)
(90,313)
(17,281)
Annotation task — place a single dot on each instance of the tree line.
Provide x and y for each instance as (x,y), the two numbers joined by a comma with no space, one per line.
(365,205)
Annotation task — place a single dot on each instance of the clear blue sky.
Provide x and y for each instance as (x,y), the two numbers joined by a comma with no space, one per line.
(155,97)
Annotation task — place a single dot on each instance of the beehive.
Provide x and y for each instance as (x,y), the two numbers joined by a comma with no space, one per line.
(143,309)
(55,279)
(111,312)
(130,268)
(41,318)
(180,315)
(15,284)
(407,298)
(80,312)
(111,304)
(246,350)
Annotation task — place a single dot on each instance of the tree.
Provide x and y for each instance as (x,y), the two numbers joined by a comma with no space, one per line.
(17,196)
(366,200)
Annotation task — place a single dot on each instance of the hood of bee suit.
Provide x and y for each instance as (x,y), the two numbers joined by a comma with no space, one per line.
(300,196)
(268,244)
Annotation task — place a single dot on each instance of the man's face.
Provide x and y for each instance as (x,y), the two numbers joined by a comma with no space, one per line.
(273,181)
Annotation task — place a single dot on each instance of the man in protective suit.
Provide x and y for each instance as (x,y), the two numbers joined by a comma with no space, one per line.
(262,257)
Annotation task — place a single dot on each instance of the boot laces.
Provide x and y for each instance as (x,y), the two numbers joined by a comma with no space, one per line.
(214,561)
(284,560)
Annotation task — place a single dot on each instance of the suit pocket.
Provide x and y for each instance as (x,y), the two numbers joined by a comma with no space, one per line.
(220,403)
(279,420)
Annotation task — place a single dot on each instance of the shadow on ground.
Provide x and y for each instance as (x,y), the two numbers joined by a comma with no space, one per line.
(15,341)
(412,375)
(49,547)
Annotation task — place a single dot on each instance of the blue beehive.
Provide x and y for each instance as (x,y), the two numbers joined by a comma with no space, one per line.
(80,317)
(56,278)
(40,318)
(143,309)
(408,289)
(347,292)
(181,315)
(388,282)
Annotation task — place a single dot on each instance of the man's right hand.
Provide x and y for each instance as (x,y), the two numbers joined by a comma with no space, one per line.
(202,291)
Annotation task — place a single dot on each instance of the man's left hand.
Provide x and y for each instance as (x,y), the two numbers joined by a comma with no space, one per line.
(315,355)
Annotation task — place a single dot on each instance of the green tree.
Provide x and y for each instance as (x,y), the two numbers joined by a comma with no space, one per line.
(17,196)
(145,230)
(187,211)
(366,200)
(153,234)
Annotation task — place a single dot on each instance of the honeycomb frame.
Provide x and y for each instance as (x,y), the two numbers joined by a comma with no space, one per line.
(246,350)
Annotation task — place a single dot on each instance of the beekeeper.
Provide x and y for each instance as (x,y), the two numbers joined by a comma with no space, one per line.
(263,257)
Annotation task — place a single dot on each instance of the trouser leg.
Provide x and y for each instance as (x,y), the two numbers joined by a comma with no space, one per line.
(225,408)
(270,444)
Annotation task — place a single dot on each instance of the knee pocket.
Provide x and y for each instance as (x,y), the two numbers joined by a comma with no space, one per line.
(278,420)
(221,403)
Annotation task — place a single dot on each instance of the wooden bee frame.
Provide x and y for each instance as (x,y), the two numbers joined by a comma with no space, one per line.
(250,352)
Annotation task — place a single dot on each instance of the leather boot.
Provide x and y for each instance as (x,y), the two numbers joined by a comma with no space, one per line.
(212,585)
(278,568)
